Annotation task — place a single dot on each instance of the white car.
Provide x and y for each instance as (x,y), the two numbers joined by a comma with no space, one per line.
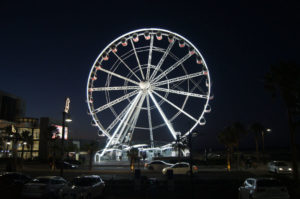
(279,167)
(180,168)
(43,187)
(157,165)
(264,188)
(89,186)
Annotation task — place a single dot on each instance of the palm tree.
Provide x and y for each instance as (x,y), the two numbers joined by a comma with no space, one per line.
(283,79)
(24,141)
(257,129)
(92,148)
(133,156)
(230,137)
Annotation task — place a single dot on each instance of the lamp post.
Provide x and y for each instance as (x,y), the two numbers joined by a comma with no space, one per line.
(263,141)
(64,114)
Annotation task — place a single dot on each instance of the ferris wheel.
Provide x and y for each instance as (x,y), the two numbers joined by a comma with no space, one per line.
(149,83)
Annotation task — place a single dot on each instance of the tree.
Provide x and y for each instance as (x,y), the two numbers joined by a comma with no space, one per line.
(25,139)
(230,137)
(283,80)
(257,129)
(91,148)
(133,156)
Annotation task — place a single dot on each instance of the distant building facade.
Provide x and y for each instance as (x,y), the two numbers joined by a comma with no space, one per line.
(11,107)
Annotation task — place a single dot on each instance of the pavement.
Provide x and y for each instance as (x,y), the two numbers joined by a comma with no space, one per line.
(209,182)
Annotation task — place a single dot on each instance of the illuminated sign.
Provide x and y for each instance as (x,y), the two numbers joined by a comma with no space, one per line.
(58,133)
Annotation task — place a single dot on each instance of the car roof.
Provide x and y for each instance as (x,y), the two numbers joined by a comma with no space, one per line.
(50,177)
(88,176)
(182,163)
(261,178)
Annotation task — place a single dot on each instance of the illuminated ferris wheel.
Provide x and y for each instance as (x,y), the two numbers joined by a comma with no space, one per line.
(148,83)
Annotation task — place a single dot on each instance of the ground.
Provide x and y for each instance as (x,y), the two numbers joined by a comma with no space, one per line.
(210,182)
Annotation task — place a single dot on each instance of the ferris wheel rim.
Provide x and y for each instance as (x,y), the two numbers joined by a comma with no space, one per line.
(94,116)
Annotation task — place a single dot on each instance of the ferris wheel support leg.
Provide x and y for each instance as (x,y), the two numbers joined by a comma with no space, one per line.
(130,128)
(125,124)
(121,123)
(150,123)
(170,127)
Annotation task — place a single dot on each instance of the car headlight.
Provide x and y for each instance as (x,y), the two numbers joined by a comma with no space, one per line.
(290,169)
(280,169)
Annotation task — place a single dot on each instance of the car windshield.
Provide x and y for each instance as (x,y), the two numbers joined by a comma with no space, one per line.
(281,164)
(268,183)
(85,181)
(41,180)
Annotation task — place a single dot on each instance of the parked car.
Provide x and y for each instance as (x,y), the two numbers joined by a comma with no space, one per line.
(75,162)
(43,186)
(180,168)
(66,165)
(279,167)
(11,184)
(157,165)
(263,188)
(89,186)
(13,178)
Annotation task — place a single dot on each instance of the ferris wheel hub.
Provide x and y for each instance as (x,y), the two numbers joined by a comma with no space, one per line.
(144,85)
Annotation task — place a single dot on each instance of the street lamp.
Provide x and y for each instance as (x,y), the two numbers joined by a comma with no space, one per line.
(7,145)
(263,140)
(64,119)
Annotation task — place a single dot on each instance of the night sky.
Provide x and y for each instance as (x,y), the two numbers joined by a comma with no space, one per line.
(47,50)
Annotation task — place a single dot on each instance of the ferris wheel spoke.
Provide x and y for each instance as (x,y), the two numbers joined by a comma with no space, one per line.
(119,76)
(118,118)
(150,122)
(180,92)
(121,123)
(176,79)
(149,58)
(196,85)
(121,60)
(103,130)
(172,67)
(116,101)
(161,61)
(172,104)
(115,88)
(170,127)
(137,58)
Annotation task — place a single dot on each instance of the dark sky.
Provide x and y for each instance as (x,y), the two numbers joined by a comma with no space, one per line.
(47,50)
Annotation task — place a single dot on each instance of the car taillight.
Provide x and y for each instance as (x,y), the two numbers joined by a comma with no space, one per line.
(260,190)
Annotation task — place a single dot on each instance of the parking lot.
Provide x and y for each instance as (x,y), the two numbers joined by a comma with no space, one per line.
(209,182)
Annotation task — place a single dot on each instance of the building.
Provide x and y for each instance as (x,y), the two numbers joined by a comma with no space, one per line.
(11,107)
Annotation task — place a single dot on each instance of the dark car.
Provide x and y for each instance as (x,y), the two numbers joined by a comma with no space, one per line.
(11,184)
(75,162)
(88,186)
(12,178)
(66,165)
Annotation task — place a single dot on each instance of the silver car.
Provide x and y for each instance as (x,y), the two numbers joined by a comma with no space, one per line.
(263,188)
(89,186)
(280,167)
(43,187)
